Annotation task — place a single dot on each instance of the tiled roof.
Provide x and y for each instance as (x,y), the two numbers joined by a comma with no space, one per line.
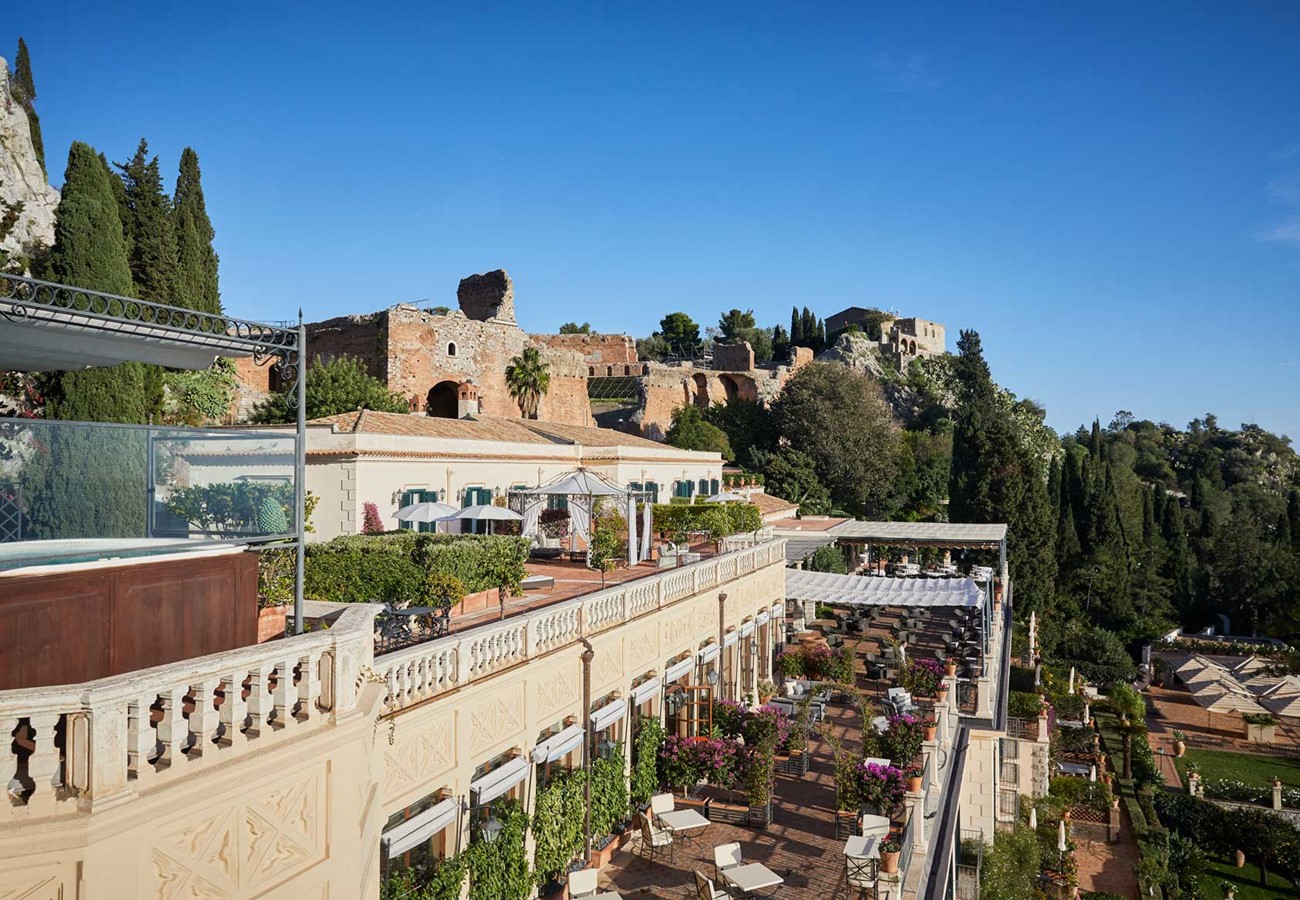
(769,504)
(482,428)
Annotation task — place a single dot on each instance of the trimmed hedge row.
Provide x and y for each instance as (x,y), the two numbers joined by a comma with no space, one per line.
(715,519)
(392,567)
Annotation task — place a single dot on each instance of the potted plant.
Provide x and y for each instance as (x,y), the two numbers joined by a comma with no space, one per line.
(1259,727)
(915,774)
(1180,743)
(1229,890)
(950,667)
(890,848)
(880,787)
(930,728)
(766,691)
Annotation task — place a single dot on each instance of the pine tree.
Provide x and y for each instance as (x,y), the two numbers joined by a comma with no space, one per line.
(147,221)
(24,87)
(198,262)
(90,251)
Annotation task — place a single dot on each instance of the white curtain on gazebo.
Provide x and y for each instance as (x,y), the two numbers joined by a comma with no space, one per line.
(583,489)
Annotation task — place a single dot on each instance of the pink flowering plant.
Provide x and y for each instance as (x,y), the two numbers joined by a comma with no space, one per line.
(817,661)
(729,717)
(923,677)
(685,762)
(903,739)
(764,725)
(880,786)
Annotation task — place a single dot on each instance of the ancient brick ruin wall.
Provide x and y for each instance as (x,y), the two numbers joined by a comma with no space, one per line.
(490,295)
(604,354)
(733,357)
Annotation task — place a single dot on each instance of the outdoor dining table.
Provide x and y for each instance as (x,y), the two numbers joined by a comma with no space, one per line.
(751,877)
(682,822)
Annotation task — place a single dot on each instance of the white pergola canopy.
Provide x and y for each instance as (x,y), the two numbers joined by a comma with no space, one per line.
(853,590)
(582,489)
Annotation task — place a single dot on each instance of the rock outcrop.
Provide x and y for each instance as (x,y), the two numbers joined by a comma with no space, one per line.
(21,178)
(858,352)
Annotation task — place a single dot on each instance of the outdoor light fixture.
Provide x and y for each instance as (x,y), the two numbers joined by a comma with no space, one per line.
(712,677)
(753,647)
(491,829)
(605,748)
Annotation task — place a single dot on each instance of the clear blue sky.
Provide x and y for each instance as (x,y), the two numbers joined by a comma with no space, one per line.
(1108,192)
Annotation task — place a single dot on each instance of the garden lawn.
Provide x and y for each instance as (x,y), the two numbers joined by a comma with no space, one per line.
(1247,881)
(1253,770)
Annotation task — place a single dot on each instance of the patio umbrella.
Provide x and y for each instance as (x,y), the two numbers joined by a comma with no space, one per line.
(1287,705)
(485,513)
(427,511)
(1197,664)
(725,497)
(1060,836)
(1249,666)
(1033,818)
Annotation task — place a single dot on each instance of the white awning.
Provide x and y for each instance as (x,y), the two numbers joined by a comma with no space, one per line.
(499,780)
(680,669)
(856,590)
(646,690)
(608,714)
(420,827)
(763,618)
(558,745)
(730,638)
(747,628)
(778,609)
(709,654)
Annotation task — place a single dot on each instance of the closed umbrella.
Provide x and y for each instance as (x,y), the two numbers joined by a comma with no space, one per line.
(1033,818)
(1060,837)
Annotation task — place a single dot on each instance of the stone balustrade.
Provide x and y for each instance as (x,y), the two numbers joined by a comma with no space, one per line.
(83,747)
(415,674)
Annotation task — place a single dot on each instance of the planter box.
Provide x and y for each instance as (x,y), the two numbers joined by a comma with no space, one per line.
(474,603)
(1260,734)
(846,825)
(271,623)
(761,816)
(599,858)
(731,813)
(795,764)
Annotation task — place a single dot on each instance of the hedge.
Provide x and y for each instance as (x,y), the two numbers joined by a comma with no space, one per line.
(392,567)
(716,519)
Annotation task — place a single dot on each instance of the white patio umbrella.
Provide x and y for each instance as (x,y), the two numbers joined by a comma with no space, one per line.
(725,497)
(1060,836)
(1197,664)
(1033,818)
(484,513)
(1286,705)
(428,511)
(1249,666)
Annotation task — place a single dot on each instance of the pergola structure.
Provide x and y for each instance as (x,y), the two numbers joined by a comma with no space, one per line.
(46,326)
(580,490)
(916,535)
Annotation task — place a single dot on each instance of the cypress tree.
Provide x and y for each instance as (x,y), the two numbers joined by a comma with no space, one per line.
(198,279)
(809,327)
(1293,515)
(796,328)
(1094,441)
(151,237)
(25,90)
(90,251)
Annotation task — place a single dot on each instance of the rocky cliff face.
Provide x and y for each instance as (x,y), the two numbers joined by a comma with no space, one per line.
(21,178)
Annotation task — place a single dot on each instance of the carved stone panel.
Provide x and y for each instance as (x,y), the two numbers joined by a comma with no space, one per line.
(498,715)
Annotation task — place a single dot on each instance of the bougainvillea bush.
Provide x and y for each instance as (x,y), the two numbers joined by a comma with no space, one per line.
(923,677)
(903,739)
(880,786)
(686,762)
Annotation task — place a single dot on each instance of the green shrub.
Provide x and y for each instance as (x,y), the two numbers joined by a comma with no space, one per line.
(717,520)
(1023,705)
(499,870)
(649,738)
(557,824)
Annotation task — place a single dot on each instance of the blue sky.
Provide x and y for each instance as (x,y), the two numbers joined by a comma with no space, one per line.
(1108,192)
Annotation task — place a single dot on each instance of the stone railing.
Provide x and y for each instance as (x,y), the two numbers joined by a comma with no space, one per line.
(415,674)
(83,746)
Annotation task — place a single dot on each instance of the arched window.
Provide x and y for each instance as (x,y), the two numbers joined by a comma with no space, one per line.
(451,349)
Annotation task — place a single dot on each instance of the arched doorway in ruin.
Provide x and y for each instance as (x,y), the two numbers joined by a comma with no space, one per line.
(730,386)
(441,402)
(701,390)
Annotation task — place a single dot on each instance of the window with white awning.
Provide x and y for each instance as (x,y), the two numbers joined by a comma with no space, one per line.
(413,833)
(499,781)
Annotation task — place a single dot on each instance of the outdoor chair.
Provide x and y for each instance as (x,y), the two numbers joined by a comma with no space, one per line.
(655,841)
(582,883)
(725,856)
(660,804)
(861,875)
(705,889)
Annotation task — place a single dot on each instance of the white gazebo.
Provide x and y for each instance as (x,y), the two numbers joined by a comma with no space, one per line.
(582,489)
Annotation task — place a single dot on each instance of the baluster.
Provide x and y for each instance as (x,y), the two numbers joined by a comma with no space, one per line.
(141,740)
(280,696)
(234,712)
(258,703)
(173,730)
(328,677)
(45,765)
(308,688)
(203,720)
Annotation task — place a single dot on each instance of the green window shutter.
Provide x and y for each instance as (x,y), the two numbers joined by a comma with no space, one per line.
(704,486)
(713,486)
(654,492)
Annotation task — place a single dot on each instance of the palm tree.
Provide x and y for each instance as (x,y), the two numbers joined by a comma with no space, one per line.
(528,377)
(1131,709)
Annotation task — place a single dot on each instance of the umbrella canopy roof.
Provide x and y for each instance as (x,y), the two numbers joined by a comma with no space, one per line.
(1197,664)
(579,483)
(485,512)
(428,511)
(828,587)
(1283,706)
(1284,686)
(1249,665)
(725,497)
(1227,702)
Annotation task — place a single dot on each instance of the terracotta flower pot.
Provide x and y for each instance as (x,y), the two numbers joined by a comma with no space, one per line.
(950,669)
(1179,748)
(889,862)
(931,731)
(941,695)
(914,784)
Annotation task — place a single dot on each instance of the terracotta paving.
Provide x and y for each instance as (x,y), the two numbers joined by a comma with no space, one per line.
(1170,708)
(1109,866)
(799,845)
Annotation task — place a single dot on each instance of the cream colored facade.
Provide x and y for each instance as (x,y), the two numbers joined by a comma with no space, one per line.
(185,804)
(351,464)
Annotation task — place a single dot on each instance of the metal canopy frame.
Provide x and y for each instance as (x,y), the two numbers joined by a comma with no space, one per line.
(68,309)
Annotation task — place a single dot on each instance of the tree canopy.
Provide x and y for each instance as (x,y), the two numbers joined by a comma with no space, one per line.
(690,431)
(528,378)
(337,386)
